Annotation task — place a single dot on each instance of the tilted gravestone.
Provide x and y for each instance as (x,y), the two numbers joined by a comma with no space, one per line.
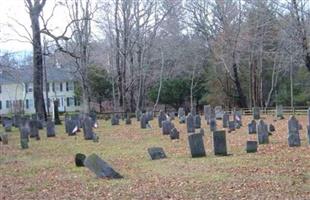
(166,127)
(190,123)
(218,112)
(231,126)
(219,143)
(174,134)
(251,146)
(252,127)
(71,127)
(143,121)
(256,112)
(88,128)
(114,120)
(161,117)
(293,132)
(101,168)
(279,112)
(79,159)
(156,153)
(207,112)
(196,145)
(197,121)
(34,131)
(262,132)
(50,128)
(225,119)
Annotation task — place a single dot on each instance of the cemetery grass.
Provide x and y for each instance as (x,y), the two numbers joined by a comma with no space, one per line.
(47,170)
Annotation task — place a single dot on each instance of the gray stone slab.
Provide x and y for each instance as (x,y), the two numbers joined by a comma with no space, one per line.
(161,117)
(207,112)
(262,132)
(156,153)
(293,132)
(219,143)
(174,134)
(279,112)
(50,128)
(166,127)
(218,112)
(256,113)
(251,146)
(88,128)
(196,145)
(231,126)
(34,131)
(114,120)
(197,121)
(225,119)
(143,121)
(71,127)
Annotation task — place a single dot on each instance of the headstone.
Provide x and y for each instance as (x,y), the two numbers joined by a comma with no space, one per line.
(166,127)
(252,127)
(5,138)
(77,121)
(8,123)
(197,121)
(207,112)
(190,123)
(71,127)
(161,117)
(24,143)
(56,113)
(308,133)
(128,120)
(34,131)
(256,112)
(24,131)
(262,132)
(95,137)
(212,124)
(238,118)
(101,168)
(279,112)
(16,120)
(93,117)
(231,126)
(181,112)
(138,114)
(225,119)
(293,132)
(218,112)
(271,128)
(196,145)
(149,115)
(156,153)
(50,128)
(88,128)
(114,120)
(219,143)
(143,121)
(308,112)
(79,159)
(174,134)
(251,146)
(182,119)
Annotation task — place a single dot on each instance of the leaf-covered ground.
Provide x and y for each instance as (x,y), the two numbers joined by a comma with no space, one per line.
(47,170)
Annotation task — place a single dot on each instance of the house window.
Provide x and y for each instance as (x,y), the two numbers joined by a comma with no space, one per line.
(70,86)
(67,86)
(48,87)
(8,104)
(0,105)
(76,101)
(29,103)
(60,87)
(53,87)
(0,89)
(28,87)
(68,102)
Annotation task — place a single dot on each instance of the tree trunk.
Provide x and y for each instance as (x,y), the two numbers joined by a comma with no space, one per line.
(241,98)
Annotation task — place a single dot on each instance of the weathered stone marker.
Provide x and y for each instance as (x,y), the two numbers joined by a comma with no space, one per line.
(181,112)
(197,121)
(7,123)
(128,120)
(262,132)
(225,119)
(24,143)
(293,132)
(101,168)
(251,146)
(190,123)
(174,134)
(143,121)
(219,143)
(218,112)
(196,145)
(114,120)
(4,138)
(34,131)
(50,128)
(252,127)
(161,117)
(207,113)
(238,118)
(156,153)
(308,125)
(71,127)
(88,128)
(79,159)
(256,112)
(166,127)
(231,126)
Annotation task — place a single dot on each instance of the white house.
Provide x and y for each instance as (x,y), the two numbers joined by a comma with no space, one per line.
(16,90)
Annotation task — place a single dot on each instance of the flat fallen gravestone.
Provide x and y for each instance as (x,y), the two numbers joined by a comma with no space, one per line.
(219,143)
(262,132)
(79,159)
(251,146)
(101,168)
(50,128)
(196,145)
(156,153)
(293,132)
(252,127)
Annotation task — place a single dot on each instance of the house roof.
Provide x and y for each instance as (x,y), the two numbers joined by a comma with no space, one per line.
(24,75)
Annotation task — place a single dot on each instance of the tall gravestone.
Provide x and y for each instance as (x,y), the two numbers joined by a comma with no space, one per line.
(212,121)
(114,120)
(252,127)
(293,132)
(196,145)
(56,112)
(262,132)
(181,116)
(231,126)
(219,143)
(166,127)
(279,112)
(8,123)
(34,131)
(71,127)
(88,128)
(50,128)
(190,123)
(161,117)
(197,121)
(238,118)
(256,112)
(207,112)
(225,119)
(143,121)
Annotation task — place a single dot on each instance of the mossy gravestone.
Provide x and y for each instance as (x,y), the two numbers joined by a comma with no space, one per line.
(156,153)
(101,168)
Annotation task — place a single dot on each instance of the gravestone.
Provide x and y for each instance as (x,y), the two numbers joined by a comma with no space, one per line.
(143,121)
(262,132)
(174,134)
(238,118)
(256,112)
(16,120)
(114,120)
(138,114)
(212,124)
(161,117)
(212,116)
(225,119)
(34,131)
(72,128)
(190,123)
(8,123)
(24,143)
(4,138)
(308,113)
(166,127)
(101,168)
(279,112)
(40,121)
(93,117)
(252,127)
(128,120)
(79,159)
(197,121)
(308,133)
(88,128)
(219,143)
(271,128)
(149,115)
(196,145)
(24,131)
(231,126)
(218,112)
(251,146)
(293,132)
(207,112)
(56,112)
(182,119)
(181,112)
(95,137)
(50,128)
(156,153)
(76,119)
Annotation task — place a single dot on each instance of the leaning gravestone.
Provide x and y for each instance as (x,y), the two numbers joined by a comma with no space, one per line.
(218,112)
(50,128)
(34,131)
(219,143)
(293,132)
(251,146)
(161,117)
(114,120)
(196,145)
(197,121)
(174,134)
(225,119)
(190,123)
(252,127)
(207,112)
(79,159)
(88,128)
(279,112)
(101,168)
(256,112)
(262,132)
(156,153)
(166,127)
